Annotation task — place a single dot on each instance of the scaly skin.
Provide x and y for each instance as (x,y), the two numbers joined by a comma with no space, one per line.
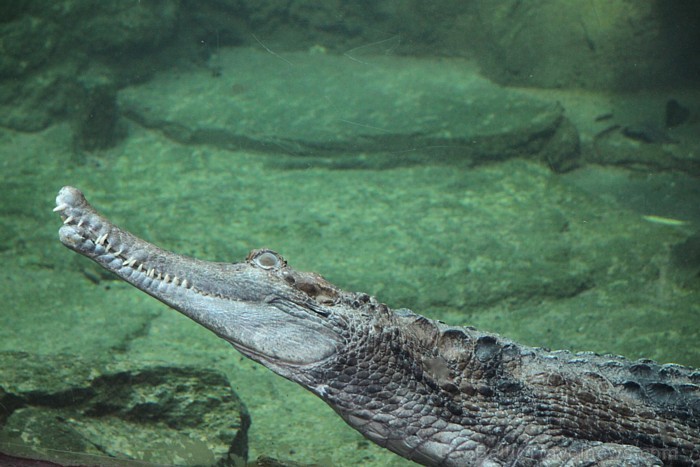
(436,394)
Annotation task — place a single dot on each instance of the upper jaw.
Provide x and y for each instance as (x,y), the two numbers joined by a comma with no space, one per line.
(140,263)
(89,233)
(143,264)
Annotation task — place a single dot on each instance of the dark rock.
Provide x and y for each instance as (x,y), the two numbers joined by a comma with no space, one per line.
(67,409)
(96,120)
(32,104)
(563,150)
(27,43)
(601,45)
(14,461)
(646,133)
(648,147)
(112,27)
(676,114)
(46,46)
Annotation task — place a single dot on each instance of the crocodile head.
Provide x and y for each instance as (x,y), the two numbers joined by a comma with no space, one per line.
(278,316)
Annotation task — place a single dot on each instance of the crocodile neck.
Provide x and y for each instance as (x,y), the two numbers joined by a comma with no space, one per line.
(432,393)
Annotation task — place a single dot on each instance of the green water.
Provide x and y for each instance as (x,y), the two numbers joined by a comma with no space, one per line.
(415,180)
(485,247)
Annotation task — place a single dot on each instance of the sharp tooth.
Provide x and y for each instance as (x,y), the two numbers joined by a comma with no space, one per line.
(184,283)
(151,273)
(101,239)
(159,277)
(166,278)
(140,268)
(81,222)
(60,207)
(68,220)
(176,280)
(107,247)
(118,253)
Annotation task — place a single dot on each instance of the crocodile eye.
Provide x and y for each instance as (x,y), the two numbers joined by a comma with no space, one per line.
(268,260)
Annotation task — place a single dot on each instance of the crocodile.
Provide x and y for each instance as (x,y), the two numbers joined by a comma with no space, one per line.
(436,394)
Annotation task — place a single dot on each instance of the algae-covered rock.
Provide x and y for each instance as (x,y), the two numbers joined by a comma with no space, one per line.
(72,410)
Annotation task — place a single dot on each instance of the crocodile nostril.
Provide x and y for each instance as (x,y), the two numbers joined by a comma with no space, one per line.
(289,278)
(309,288)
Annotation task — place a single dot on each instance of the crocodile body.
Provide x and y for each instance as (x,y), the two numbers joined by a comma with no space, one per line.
(436,394)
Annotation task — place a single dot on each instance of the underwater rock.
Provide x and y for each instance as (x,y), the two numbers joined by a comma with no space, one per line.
(67,409)
(676,114)
(385,111)
(47,48)
(647,148)
(96,121)
(619,46)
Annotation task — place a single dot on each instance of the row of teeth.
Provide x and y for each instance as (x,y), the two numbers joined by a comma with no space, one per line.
(128,262)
